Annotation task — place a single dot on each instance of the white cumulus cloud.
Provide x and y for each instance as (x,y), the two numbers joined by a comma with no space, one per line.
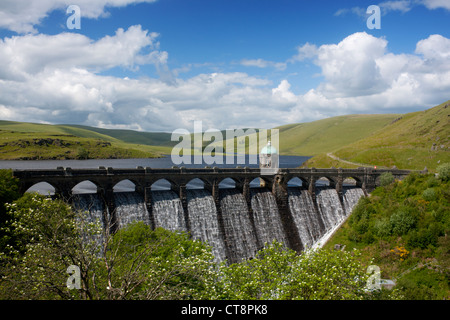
(30,54)
(436,4)
(22,16)
(350,67)
(58,79)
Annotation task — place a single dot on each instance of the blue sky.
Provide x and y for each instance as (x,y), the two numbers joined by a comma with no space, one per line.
(160,65)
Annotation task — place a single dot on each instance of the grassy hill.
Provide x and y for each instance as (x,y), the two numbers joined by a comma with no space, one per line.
(329,134)
(20,140)
(312,138)
(410,141)
(414,141)
(295,139)
(131,136)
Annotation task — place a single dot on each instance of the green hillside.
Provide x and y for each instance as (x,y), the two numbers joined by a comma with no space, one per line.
(403,229)
(131,136)
(414,141)
(20,140)
(312,138)
(295,139)
(410,141)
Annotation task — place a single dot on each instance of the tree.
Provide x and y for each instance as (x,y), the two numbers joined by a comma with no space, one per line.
(9,192)
(134,263)
(444,171)
(141,263)
(279,273)
(48,240)
(386,178)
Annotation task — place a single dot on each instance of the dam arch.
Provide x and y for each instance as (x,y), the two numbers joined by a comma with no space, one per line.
(43,188)
(296,182)
(161,184)
(126,185)
(85,187)
(228,183)
(195,184)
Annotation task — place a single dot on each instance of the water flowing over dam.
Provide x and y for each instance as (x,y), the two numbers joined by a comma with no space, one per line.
(236,218)
(234,230)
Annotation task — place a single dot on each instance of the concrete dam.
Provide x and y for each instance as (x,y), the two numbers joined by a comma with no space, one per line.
(236,220)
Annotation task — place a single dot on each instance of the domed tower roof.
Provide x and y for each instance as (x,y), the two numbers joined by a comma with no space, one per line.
(269,149)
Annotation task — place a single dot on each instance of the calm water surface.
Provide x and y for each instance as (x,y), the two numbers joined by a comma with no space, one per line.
(166,162)
(125,186)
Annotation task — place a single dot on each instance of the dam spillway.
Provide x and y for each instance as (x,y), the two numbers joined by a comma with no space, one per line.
(235,229)
(236,218)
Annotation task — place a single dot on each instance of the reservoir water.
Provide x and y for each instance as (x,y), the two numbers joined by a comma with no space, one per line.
(165,162)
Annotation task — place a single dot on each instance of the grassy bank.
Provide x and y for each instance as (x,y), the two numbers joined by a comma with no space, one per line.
(32,141)
(413,141)
(404,228)
(40,146)
(330,134)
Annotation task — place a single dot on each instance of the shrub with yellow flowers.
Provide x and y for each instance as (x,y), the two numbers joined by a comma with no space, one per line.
(401,252)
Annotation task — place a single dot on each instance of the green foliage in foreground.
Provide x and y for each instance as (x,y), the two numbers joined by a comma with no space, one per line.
(139,263)
(135,263)
(416,209)
(9,192)
(277,273)
(403,226)
(444,171)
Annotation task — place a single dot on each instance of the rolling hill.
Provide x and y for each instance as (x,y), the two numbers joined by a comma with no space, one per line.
(21,140)
(413,141)
(295,139)
(329,134)
(131,136)
(312,138)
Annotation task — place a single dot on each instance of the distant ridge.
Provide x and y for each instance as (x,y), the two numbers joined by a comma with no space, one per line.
(295,139)
(131,136)
(33,141)
(409,141)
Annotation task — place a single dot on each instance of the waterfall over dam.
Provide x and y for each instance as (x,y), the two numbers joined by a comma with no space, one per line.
(237,211)
(236,228)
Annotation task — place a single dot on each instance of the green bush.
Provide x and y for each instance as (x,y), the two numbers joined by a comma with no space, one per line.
(429,194)
(444,171)
(383,228)
(423,284)
(386,178)
(83,153)
(432,182)
(426,237)
(401,222)
(9,192)
(277,273)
